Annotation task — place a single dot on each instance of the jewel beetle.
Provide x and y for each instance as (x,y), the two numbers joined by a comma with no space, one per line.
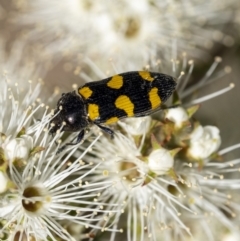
(103,102)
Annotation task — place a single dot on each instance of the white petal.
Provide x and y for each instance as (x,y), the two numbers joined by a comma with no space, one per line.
(5,210)
(136,126)
(204,142)
(3,182)
(160,161)
(19,147)
(177,115)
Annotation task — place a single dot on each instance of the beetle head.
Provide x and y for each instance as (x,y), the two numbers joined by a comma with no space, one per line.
(70,110)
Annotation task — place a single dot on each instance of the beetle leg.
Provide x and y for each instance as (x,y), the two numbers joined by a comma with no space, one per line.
(79,139)
(80,136)
(107,130)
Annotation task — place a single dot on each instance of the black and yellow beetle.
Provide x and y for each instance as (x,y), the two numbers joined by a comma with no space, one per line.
(130,94)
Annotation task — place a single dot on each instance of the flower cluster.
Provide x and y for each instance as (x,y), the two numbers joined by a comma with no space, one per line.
(133,29)
(165,176)
(40,199)
(159,177)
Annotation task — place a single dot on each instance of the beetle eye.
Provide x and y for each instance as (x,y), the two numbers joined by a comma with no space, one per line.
(70,120)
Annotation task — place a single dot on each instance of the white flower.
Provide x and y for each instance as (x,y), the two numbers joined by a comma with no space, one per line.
(160,161)
(19,94)
(3,182)
(211,195)
(120,26)
(156,202)
(136,126)
(63,36)
(17,107)
(19,147)
(204,141)
(177,115)
(47,189)
(133,188)
(121,161)
(51,189)
(47,195)
(173,204)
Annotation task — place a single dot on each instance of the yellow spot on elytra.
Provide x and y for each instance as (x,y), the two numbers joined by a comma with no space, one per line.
(86,92)
(111,120)
(146,75)
(124,103)
(93,111)
(116,82)
(154,98)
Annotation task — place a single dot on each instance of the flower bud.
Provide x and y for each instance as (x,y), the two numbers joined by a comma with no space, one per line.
(204,141)
(160,161)
(19,147)
(177,115)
